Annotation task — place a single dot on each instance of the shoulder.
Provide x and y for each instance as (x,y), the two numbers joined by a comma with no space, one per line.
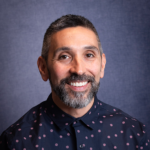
(117,124)
(27,122)
(118,117)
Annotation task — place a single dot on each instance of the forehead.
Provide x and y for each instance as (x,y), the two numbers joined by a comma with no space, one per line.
(74,37)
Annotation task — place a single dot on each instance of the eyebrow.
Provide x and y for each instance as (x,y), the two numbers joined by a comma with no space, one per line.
(68,49)
(92,48)
(61,49)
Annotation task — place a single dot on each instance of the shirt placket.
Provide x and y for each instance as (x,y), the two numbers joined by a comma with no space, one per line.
(80,142)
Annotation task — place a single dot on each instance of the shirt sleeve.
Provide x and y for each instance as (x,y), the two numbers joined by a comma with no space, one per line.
(4,142)
(145,142)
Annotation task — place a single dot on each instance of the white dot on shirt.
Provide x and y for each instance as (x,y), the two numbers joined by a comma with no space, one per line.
(33,112)
(115,135)
(40,124)
(99,130)
(30,136)
(108,136)
(78,131)
(141,147)
(24,148)
(101,121)
(91,148)
(67,147)
(51,130)
(36,146)
(111,124)
(56,144)
(123,122)
(92,135)
(44,135)
(104,144)
(17,141)
(68,134)
(115,147)
(138,134)
(127,144)
(51,122)
(93,122)
(24,138)
(131,136)
(121,131)
(61,136)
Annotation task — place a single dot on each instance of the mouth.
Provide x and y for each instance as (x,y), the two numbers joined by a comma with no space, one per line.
(78,86)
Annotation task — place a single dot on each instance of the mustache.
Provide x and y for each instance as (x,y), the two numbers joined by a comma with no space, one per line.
(76,77)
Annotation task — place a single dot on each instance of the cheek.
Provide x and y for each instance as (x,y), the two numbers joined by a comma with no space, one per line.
(57,73)
(95,70)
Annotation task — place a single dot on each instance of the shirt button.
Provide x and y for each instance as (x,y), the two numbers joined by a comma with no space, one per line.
(81,146)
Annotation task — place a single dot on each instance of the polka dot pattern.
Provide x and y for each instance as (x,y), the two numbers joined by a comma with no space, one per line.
(103,127)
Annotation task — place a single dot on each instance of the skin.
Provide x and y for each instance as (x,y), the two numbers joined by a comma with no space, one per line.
(73,50)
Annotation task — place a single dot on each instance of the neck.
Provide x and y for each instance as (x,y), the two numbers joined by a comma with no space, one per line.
(75,112)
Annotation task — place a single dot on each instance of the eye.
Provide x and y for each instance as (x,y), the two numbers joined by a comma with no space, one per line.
(89,55)
(63,57)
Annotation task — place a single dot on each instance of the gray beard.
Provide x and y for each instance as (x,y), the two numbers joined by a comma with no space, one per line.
(72,98)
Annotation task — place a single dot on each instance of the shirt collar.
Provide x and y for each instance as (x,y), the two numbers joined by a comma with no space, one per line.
(63,120)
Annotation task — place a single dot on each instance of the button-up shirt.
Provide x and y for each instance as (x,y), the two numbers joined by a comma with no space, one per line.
(103,127)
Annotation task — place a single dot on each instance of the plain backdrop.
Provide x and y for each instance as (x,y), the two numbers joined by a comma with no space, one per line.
(124,30)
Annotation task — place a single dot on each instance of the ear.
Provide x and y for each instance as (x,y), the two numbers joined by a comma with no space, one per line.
(103,65)
(41,63)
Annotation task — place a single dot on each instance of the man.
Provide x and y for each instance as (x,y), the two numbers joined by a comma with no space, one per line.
(72,117)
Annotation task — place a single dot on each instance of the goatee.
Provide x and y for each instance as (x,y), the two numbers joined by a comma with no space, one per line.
(72,98)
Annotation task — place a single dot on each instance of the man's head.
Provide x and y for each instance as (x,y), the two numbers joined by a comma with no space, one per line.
(74,62)
(66,22)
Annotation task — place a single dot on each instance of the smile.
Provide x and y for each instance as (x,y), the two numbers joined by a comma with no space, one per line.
(78,83)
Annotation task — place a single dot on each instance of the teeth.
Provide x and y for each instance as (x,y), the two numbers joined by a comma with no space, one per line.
(78,83)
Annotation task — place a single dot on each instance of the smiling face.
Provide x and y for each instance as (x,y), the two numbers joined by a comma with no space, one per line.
(75,66)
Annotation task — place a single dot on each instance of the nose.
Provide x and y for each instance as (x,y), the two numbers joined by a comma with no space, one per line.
(77,66)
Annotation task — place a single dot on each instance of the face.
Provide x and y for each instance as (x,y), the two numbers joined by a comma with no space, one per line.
(75,66)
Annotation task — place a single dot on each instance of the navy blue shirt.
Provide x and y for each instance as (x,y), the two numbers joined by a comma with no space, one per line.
(103,127)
